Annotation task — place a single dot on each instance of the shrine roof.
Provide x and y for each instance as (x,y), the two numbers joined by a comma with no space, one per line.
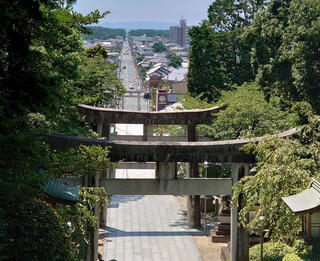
(305,201)
(62,191)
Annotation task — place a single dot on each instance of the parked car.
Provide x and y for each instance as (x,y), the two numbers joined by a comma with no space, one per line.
(124,67)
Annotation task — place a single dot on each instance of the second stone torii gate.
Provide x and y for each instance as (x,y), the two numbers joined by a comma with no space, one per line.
(190,118)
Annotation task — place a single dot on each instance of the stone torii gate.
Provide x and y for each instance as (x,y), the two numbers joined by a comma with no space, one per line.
(133,93)
(166,154)
(191,118)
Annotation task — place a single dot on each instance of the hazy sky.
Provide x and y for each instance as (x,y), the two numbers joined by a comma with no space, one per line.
(148,10)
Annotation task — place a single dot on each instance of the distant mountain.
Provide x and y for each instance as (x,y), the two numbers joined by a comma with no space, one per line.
(138,25)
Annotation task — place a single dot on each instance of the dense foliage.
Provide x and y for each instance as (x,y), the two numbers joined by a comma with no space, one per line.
(34,231)
(279,251)
(292,257)
(272,251)
(42,61)
(103,33)
(285,167)
(274,46)
(247,114)
(98,82)
(149,33)
(219,56)
(285,50)
(81,218)
(158,47)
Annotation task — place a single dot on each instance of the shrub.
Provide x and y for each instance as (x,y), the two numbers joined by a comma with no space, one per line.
(33,232)
(272,251)
(291,257)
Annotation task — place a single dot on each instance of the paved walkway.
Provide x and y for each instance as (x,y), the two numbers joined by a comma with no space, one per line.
(148,228)
(145,228)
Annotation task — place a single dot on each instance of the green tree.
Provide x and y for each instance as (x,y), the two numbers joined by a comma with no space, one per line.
(158,47)
(102,33)
(33,231)
(302,49)
(286,49)
(219,56)
(97,83)
(175,60)
(265,37)
(139,59)
(284,167)
(226,15)
(97,50)
(247,114)
(41,58)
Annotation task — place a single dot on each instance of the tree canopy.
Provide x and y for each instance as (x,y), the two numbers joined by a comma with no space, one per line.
(285,167)
(43,65)
(158,47)
(149,33)
(248,114)
(174,60)
(219,56)
(272,45)
(285,50)
(103,33)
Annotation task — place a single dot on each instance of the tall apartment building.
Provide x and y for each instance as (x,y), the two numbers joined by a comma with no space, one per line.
(178,34)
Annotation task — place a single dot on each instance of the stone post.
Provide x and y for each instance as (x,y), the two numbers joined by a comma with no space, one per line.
(103,212)
(147,131)
(111,173)
(139,104)
(103,130)
(95,238)
(193,202)
(239,236)
(166,170)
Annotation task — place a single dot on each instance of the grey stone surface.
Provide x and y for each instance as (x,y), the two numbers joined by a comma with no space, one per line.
(148,228)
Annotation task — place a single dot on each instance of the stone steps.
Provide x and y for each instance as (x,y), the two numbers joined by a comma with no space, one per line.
(219,238)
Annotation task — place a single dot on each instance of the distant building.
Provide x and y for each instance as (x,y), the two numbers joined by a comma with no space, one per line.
(174,34)
(178,34)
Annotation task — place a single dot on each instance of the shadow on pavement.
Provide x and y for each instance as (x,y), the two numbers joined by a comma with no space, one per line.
(113,232)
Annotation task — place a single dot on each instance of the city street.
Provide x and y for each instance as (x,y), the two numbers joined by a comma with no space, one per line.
(128,76)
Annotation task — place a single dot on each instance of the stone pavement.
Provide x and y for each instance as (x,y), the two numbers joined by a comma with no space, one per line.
(148,228)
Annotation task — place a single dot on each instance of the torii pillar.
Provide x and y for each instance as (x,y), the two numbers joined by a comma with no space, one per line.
(193,201)
(103,130)
(239,235)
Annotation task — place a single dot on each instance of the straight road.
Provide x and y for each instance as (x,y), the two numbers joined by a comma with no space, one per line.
(145,228)
(129,77)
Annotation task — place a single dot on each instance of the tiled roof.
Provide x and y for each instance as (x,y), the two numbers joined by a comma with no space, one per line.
(61,190)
